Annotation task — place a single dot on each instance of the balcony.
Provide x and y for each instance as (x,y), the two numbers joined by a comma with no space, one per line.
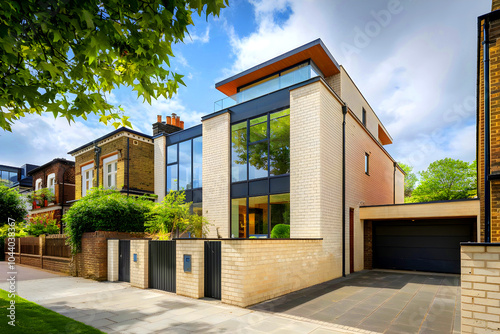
(285,80)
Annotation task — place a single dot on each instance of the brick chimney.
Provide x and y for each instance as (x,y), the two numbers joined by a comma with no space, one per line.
(495,5)
(172,124)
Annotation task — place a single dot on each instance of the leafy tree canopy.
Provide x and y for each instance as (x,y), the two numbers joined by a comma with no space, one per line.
(446,179)
(410,178)
(64,56)
(11,205)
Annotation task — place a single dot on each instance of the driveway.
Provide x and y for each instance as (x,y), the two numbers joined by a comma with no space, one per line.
(119,308)
(380,301)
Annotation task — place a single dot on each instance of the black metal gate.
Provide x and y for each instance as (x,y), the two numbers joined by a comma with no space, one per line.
(124,262)
(162,265)
(213,269)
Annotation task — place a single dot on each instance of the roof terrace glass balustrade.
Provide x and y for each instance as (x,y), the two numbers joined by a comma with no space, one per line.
(283,81)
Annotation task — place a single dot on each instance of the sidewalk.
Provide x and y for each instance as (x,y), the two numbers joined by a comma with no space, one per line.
(119,308)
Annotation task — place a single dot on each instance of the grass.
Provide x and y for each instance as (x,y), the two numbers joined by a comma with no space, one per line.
(33,318)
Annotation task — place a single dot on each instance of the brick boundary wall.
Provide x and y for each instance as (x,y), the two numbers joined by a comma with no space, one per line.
(480,288)
(92,261)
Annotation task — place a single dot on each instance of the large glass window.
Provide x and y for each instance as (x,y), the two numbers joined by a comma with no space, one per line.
(197,162)
(239,218)
(252,220)
(261,147)
(184,165)
(239,152)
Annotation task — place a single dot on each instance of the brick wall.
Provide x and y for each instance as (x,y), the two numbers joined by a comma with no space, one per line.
(258,270)
(31,260)
(58,264)
(190,284)
(139,270)
(92,261)
(68,178)
(160,156)
(480,288)
(216,173)
(141,162)
(113,259)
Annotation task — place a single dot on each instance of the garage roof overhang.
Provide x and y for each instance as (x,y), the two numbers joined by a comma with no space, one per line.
(445,209)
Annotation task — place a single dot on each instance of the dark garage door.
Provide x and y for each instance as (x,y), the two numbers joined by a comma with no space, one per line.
(422,245)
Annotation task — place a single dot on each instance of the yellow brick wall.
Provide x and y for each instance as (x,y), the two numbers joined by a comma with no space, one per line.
(139,271)
(160,170)
(190,284)
(480,288)
(258,270)
(141,164)
(216,171)
(113,258)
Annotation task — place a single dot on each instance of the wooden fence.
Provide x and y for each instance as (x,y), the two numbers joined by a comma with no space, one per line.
(30,245)
(57,247)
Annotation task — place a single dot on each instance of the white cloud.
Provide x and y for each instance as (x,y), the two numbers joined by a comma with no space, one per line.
(202,38)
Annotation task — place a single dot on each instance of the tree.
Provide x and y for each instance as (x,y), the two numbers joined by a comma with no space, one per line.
(410,179)
(11,205)
(446,179)
(64,56)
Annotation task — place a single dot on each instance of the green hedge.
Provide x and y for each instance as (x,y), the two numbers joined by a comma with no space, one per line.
(105,210)
(281,231)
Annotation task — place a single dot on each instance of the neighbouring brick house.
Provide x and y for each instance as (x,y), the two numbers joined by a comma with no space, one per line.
(489,87)
(272,153)
(57,175)
(122,160)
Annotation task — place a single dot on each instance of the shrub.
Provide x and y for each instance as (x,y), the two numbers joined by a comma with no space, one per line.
(280,231)
(11,205)
(105,210)
(173,214)
(19,228)
(39,225)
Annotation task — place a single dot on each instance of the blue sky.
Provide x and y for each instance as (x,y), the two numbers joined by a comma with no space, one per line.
(414,61)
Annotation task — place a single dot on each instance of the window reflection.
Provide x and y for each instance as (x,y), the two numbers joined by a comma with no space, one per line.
(279,206)
(172,177)
(257,217)
(257,154)
(239,152)
(197,162)
(238,218)
(279,146)
(185,165)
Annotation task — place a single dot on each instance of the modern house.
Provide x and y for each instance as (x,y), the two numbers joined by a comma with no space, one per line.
(294,142)
(58,176)
(121,160)
(17,177)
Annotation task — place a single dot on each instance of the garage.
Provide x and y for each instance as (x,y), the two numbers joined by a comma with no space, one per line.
(423,245)
(418,236)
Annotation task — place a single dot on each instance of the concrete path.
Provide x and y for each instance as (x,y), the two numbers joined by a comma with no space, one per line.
(119,308)
(382,301)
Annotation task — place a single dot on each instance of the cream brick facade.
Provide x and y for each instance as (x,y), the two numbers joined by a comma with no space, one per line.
(113,259)
(258,270)
(216,171)
(160,168)
(480,288)
(139,271)
(190,284)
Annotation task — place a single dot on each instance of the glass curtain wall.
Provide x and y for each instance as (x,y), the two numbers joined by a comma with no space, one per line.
(184,165)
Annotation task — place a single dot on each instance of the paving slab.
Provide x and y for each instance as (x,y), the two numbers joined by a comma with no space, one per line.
(379,301)
(120,308)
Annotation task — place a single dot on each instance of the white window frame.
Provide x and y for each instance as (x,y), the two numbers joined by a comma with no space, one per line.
(52,177)
(90,178)
(112,160)
(38,184)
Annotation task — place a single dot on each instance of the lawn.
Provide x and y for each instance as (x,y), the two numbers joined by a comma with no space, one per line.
(33,318)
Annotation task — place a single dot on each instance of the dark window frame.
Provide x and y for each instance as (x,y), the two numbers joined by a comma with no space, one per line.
(367,164)
(191,140)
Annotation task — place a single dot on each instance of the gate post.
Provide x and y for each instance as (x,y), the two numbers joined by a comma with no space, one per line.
(113,258)
(139,264)
(190,284)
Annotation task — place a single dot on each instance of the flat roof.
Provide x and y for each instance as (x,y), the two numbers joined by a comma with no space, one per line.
(109,135)
(314,50)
